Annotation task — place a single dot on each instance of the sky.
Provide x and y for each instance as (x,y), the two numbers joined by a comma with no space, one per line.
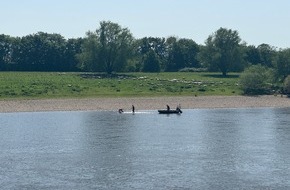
(257,21)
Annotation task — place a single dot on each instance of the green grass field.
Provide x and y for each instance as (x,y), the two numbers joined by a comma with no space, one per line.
(71,85)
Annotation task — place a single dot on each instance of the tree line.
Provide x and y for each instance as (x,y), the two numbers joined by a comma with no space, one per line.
(112,48)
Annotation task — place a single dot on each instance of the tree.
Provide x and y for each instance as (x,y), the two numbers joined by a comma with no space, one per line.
(283,63)
(181,53)
(223,51)
(6,50)
(108,49)
(257,80)
(175,59)
(151,62)
(72,48)
(146,45)
(252,55)
(267,54)
(41,52)
(89,56)
(115,46)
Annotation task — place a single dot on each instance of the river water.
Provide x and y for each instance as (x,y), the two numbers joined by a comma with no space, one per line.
(199,149)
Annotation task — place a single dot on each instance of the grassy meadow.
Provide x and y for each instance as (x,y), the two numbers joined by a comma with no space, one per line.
(73,85)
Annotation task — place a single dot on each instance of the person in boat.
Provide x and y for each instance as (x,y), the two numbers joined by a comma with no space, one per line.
(133,108)
(178,108)
(121,111)
(168,108)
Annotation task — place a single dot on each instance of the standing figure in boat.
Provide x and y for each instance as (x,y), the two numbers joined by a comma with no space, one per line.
(168,108)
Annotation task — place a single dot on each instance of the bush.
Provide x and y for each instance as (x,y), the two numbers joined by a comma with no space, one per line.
(287,85)
(257,80)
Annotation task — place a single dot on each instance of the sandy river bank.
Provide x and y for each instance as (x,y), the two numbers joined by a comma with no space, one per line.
(141,103)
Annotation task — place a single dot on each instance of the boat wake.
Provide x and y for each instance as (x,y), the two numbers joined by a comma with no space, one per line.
(137,112)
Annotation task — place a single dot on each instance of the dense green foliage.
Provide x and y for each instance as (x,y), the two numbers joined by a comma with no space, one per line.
(57,85)
(107,49)
(112,48)
(39,52)
(223,51)
(182,53)
(282,63)
(257,80)
(151,62)
(287,85)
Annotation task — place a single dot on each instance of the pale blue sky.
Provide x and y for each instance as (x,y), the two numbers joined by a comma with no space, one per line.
(257,21)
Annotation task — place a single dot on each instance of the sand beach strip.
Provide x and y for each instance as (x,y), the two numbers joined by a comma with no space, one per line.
(141,103)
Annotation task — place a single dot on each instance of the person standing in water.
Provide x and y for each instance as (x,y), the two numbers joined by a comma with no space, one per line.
(133,108)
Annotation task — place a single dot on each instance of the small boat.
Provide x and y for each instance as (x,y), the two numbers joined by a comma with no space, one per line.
(177,111)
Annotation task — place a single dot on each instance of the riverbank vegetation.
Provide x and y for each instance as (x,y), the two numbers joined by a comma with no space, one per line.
(62,85)
(112,49)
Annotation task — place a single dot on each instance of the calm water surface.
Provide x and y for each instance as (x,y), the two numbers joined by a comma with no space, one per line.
(200,149)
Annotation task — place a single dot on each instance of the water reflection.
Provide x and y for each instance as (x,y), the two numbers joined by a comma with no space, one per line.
(204,149)
(107,146)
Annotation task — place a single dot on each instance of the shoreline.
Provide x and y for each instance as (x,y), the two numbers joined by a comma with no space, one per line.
(142,103)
